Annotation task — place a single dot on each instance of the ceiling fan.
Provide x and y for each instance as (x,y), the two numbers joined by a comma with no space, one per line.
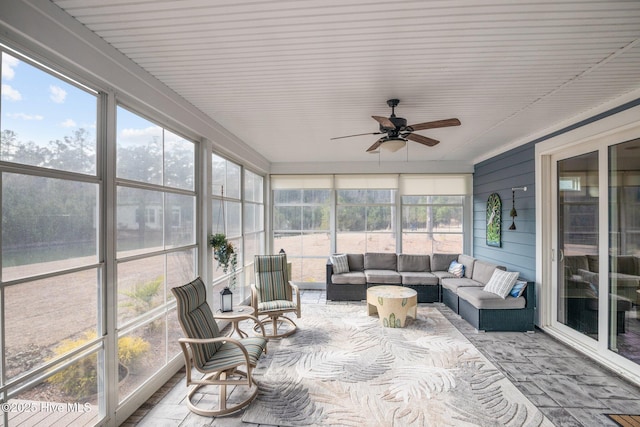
(397,132)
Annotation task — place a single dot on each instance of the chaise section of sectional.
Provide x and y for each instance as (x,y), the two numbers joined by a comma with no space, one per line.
(415,271)
(481,272)
(487,311)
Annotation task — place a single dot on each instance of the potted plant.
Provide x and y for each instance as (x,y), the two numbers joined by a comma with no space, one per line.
(224,253)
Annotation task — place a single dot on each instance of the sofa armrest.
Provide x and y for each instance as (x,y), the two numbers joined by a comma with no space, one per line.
(530,295)
(329,272)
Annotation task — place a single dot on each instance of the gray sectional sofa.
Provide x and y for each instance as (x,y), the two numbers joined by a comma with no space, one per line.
(429,276)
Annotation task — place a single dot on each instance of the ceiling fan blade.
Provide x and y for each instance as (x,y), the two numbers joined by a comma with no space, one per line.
(421,139)
(375,145)
(358,134)
(435,124)
(385,122)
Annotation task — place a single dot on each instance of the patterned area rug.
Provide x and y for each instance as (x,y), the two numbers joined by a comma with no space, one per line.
(342,368)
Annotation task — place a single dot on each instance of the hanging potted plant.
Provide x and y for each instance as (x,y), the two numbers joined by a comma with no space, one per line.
(224,253)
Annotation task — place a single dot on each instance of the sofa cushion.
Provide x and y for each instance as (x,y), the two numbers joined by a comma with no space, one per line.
(386,277)
(351,278)
(482,271)
(573,263)
(340,263)
(413,263)
(456,269)
(443,275)
(380,261)
(593,263)
(627,264)
(501,282)
(356,262)
(441,262)
(453,284)
(488,301)
(418,278)
(468,262)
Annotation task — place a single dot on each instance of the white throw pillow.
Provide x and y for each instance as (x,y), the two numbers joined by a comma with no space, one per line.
(340,263)
(501,282)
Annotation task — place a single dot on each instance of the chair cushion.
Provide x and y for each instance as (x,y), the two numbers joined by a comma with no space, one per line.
(351,278)
(386,277)
(380,261)
(196,318)
(501,282)
(272,278)
(340,263)
(489,301)
(230,354)
(276,305)
(413,263)
(418,278)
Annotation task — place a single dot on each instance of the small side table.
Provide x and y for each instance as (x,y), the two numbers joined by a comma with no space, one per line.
(239,312)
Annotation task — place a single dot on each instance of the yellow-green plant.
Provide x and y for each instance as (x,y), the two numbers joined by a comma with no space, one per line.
(80,380)
(141,297)
(131,348)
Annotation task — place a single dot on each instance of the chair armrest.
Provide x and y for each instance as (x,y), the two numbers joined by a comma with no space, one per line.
(297,291)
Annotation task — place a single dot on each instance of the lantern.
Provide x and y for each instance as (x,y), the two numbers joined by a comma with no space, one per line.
(226,300)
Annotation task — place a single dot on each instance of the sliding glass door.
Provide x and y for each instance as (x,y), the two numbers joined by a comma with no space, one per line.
(624,249)
(577,234)
(597,247)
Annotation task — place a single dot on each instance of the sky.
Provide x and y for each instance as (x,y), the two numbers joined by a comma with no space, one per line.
(41,107)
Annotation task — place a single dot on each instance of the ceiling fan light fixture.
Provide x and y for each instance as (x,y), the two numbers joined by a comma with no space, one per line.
(394,144)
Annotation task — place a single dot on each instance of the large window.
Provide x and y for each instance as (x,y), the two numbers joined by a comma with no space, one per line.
(226,207)
(301,227)
(51,267)
(314,215)
(366,220)
(253,221)
(155,244)
(432,224)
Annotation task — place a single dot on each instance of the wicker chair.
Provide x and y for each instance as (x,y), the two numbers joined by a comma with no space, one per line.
(216,356)
(272,295)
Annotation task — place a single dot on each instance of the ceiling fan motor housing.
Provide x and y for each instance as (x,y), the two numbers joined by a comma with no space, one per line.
(399,123)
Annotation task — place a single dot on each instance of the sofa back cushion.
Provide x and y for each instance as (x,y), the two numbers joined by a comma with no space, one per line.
(468,262)
(482,271)
(573,263)
(356,262)
(441,262)
(380,261)
(594,263)
(627,264)
(414,263)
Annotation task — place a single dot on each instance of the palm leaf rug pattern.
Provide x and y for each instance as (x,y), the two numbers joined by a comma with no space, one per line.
(343,368)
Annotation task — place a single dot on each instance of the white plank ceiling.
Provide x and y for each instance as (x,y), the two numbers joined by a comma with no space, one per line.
(286,76)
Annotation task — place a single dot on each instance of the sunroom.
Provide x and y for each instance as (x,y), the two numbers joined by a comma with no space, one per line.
(133,130)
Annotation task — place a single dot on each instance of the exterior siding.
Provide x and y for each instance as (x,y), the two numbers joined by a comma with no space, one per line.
(514,168)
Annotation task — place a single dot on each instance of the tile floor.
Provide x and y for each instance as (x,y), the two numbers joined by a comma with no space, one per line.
(569,388)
